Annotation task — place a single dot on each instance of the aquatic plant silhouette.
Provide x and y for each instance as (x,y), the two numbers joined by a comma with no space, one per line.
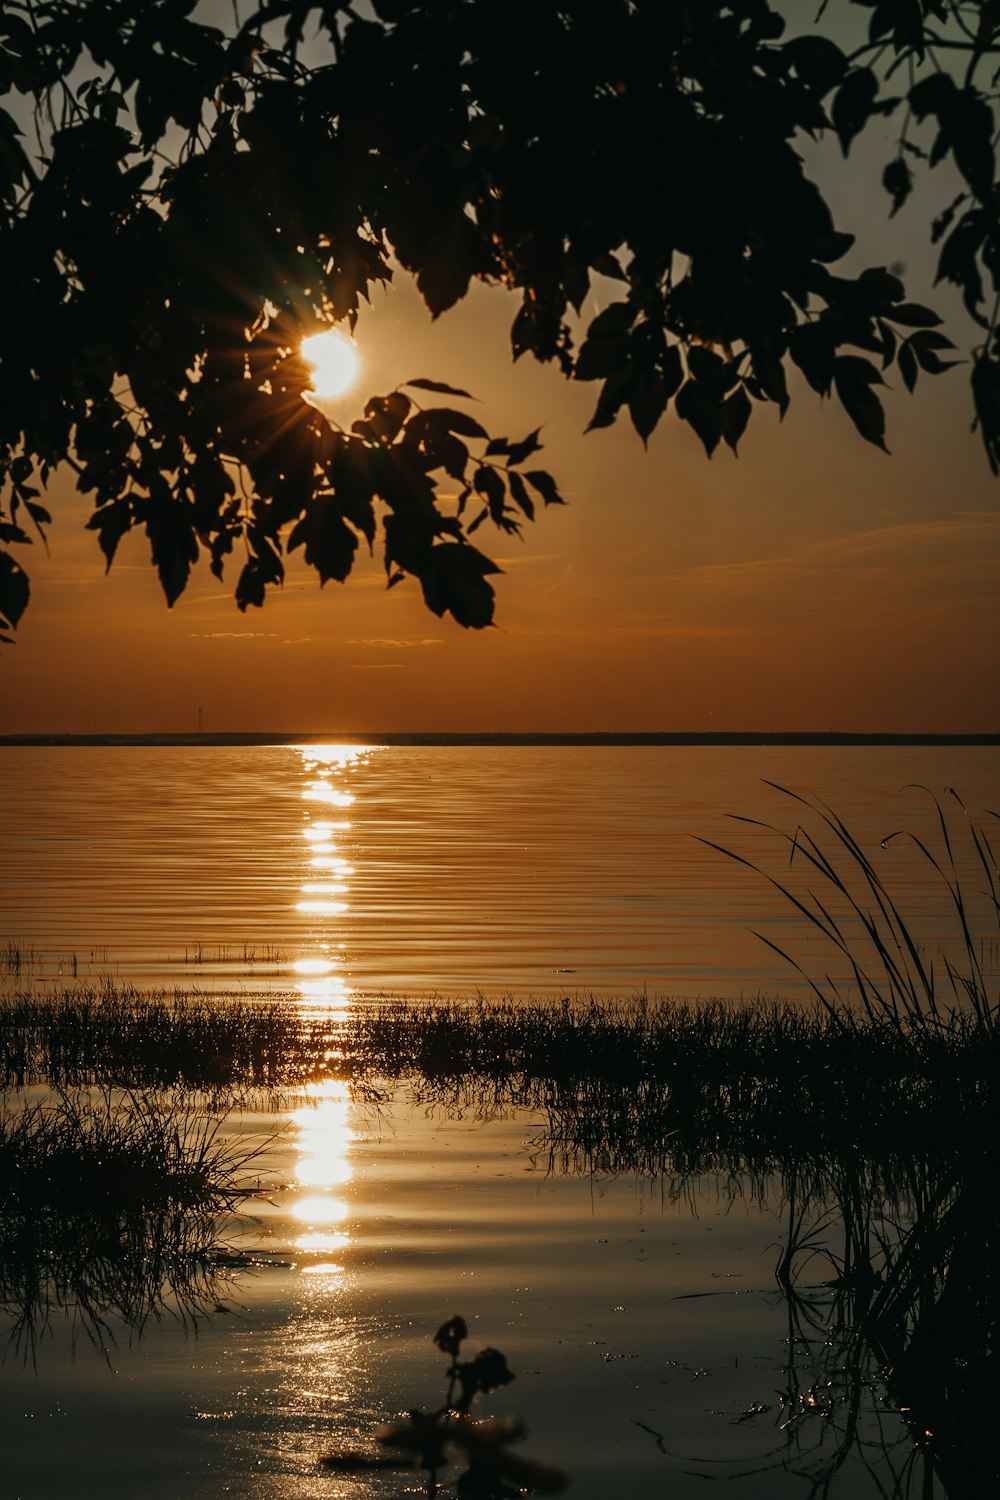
(112,1211)
(895,985)
(906,1319)
(427,1438)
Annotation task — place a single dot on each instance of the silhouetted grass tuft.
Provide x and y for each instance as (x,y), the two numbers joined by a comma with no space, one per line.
(119,1036)
(112,1206)
(895,984)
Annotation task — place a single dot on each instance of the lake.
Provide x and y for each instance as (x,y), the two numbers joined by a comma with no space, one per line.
(346,870)
(639,1311)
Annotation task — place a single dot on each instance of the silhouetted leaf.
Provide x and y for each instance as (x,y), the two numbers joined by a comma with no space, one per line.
(606,342)
(912,315)
(926,346)
(897,179)
(882,286)
(545,485)
(439,387)
(386,414)
(111,523)
(854,105)
(945,219)
(769,374)
(487,482)
(518,452)
(15,590)
(250,586)
(818,61)
(453,578)
(647,402)
(608,265)
(854,378)
(986,394)
(710,370)
(519,494)
(444,419)
(907,366)
(329,542)
(966,127)
(736,414)
(830,247)
(615,393)
(958,261)
(702,412)
(614,319)
(173,544)
(444,276)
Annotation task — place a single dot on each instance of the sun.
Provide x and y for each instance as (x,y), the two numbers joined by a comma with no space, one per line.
(334,362)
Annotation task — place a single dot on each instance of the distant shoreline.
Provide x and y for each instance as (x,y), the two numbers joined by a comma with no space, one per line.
(693,739)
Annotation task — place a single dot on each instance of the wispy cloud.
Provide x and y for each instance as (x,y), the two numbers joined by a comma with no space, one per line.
(930,543)
(373,666)
(386,643)
(233,635)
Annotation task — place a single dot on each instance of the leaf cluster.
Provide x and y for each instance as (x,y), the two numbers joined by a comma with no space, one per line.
(180,202)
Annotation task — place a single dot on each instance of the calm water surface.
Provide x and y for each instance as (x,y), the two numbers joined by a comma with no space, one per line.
(514,870)
(642,1320)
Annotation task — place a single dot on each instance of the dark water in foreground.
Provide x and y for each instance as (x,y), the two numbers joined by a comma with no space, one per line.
(655,1351)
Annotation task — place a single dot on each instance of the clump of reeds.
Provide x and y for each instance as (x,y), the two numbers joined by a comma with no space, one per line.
(116,1035)
(112,1206)
(20,959)
(895,984)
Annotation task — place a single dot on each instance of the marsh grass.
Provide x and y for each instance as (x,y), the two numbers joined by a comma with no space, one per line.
(848,902)
(112,1209)
(624,1085)
(21,960)
(119,1036)
(246,953)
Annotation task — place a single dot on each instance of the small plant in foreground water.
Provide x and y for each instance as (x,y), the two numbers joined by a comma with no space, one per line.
(423,1439)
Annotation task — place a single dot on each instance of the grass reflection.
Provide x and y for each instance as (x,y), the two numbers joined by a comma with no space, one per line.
(112,1210)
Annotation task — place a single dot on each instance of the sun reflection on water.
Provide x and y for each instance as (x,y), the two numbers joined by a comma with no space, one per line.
(323,1134)
(323,1142)
(324,854)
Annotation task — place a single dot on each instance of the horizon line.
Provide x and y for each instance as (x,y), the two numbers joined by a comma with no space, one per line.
(445,738)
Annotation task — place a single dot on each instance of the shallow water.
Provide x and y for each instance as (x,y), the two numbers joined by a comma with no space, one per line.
(509,870)
(644,1323)
(643,1326)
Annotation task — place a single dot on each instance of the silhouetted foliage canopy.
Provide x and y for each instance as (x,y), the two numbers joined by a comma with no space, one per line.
(188,189)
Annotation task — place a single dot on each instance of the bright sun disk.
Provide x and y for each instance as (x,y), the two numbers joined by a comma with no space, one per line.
(334,362)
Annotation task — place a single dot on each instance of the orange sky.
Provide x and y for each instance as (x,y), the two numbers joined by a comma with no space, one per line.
(812,584)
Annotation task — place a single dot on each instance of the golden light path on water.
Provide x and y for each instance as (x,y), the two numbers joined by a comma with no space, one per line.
(323,1141)
(322,1123)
